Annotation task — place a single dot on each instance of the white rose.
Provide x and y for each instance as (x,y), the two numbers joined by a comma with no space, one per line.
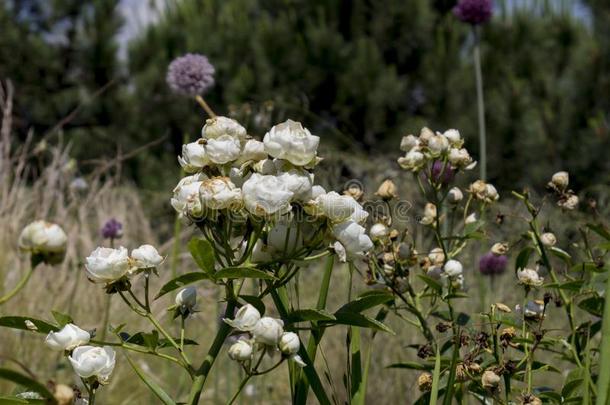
(353,237)
(105,265)
(245,319)
(69,337)
(548,239)
(414,160)
(298,182)
(146,257)
(187,298)
(317,191)
(266,195)
(339,208)
(408,142)
(253,150)
(268,331)
(378,231)
(561,180)
(241,350)
(290,141)
(194,157)
(219,126)
(186,199)
(43,237)
(92,361)
(529,277)
(460,158)
(455,195)
(289,343)
(453,136)
(223,149)
(220,193)
(453,268)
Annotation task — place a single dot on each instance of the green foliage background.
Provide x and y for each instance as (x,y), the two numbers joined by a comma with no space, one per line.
(359,73)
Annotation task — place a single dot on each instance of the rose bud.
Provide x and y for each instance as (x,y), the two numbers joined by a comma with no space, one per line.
(245,319)
(146,257)
(378,231)
(268,331)
(490,379)
(92,361)
(289,343)
(455,195)
(69,337)
(560,180)
(453,268)
(548,239)
(241,350)
(186,299)
(44,239)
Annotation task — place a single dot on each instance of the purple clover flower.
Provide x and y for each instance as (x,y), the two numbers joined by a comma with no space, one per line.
(491,264)
(112,229)
(474,12)
(190,75)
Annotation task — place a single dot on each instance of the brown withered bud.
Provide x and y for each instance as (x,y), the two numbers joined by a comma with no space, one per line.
(424,351)
(474,368)
(500,218)
(529,399)
(538,335)
(461,373)
(464,340)
(558,301)
(394,234)
(482,340)
(509,367)
(442,327)
(490,380)
(547,298)
(503,307)
(424,382)
(387,190)
(507,335)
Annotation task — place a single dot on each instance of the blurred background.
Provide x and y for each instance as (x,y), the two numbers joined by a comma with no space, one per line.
(94,131)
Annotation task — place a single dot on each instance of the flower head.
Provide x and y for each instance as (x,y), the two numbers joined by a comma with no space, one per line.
(112,229)
(92,361)
(492,264)
(474,12)
(245,319)
(268,331)
(241,350)
(105,265)
(45,239)
(69,337)
(146,257)
(289,343)
(292,142)
(529,277)
(190,75)
(186,299)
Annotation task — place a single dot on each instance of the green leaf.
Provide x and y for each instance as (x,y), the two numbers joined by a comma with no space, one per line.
(154,387)
(432,283)
(303,315)
(357,388)
(593,305)
(588,266)
(473,227)
(523,258)
(560,253)
(367,300)
(62,319)
(570,285)
(242,272)
(181,281)
(18,322)
(601,230)
(436,378)
(552,395)
(26,382)
(569,388)
(411,365)
(357,319)
(203,253)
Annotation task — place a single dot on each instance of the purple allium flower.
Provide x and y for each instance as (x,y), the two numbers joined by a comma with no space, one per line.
(441,169)
(112,229)
(474,12)
(190,75)
(491,264)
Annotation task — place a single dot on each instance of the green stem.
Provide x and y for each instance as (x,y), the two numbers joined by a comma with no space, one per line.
(204,369)
(603,381)
(20,285)
(480,106)
(239,389)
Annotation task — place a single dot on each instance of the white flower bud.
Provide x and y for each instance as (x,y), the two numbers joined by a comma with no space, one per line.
(437,145)
(289,343)
(378,231)
(105,265)
(490,379)
(499,248)
(337,208)
(299,182)
(220,193)
(69,337)
(471,219)
(44,238)
(561,180)
(529,277)
(218,126)
(223,149)
(241,350)
(548,239)
(453,268)
(63,394)
(353,237)
(194,157)
(187,299)
(146,257)
(569,203)
(454,138)
(413,160)
(186,200)
(426,134)
(408,142)
(246,318)
(92,361)
(253,150)
(268,331)
(429,214)
(291,142)
(266,195)
(436,256)
(455,195)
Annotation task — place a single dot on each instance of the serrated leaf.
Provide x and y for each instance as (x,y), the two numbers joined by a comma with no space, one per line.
(26,382)
(203,254)
(62,319)
(154,387)
(432,283)
(303,315)
(357,319)
(367,300)
(181,281)
(242,272)
(18,322)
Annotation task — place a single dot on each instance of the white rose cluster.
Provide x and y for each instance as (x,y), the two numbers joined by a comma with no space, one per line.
(231,173)
(263,333)
(45,239)
(432,146)
(107,265)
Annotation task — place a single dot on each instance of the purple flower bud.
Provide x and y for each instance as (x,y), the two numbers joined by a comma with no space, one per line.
(442,172)
(112,229)
(190,75)
(474,12)
(491,264)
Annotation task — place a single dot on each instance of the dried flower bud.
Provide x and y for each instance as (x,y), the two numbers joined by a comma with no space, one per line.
(429,214)
(503,308)
(471,219)
(490,379)
(63,394)
(560,180)
(461,373)
(354,191)
(568,202)
(436,256)
(500,248)
(387,190)
(529,399)
(424,382)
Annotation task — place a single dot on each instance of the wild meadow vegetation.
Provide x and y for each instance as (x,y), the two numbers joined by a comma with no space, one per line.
(354,221)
